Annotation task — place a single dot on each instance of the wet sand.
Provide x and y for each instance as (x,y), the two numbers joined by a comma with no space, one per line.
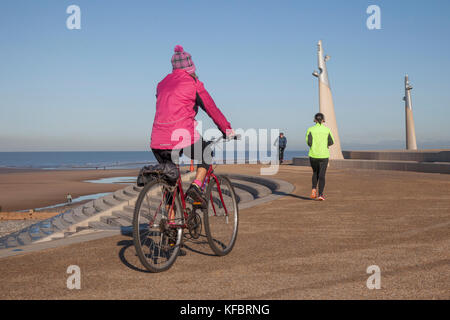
(28,189)
(291,248)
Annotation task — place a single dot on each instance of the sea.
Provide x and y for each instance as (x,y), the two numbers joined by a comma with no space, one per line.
(111,159)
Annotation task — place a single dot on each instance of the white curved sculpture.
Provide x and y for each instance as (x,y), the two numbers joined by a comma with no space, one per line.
(411,143)
(326,105)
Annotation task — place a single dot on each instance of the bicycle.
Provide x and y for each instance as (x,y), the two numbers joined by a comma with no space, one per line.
(162,215)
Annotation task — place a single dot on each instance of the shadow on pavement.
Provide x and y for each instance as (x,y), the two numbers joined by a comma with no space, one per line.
(199,246)
(126,244)
(284,194)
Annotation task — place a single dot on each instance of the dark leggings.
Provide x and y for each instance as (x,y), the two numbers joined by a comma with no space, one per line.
(195,151)
(319,167)
(281,154)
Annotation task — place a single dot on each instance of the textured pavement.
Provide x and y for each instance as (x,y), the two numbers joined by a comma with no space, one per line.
(291,248)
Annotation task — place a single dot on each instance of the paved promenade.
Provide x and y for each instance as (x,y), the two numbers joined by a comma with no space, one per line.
(290,248)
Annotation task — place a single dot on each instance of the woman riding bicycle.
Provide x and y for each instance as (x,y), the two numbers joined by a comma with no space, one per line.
(178,97)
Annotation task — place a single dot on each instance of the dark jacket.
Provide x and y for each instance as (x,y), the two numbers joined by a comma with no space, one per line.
(282,142)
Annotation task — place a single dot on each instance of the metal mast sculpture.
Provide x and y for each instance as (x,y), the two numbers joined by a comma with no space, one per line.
(411,143)
(326,105)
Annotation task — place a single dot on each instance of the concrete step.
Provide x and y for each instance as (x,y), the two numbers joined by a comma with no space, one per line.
(241,188)
(111,201)
(100,205)
(107,220)
(130,191)
(68,234)
(120,196)
(123,222)
(59,223)
(89,211)
(128,217)
(11,242)
(243,194)
(257,190)
(36,232)
(58,237)
(114,221)
(45,227)
(128,209)
(70,217)
(273,186)
(144,216)
(78,229)
(98,225)
(24,238)
(78,214)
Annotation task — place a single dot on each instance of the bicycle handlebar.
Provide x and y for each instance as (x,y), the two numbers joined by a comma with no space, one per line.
(226,139)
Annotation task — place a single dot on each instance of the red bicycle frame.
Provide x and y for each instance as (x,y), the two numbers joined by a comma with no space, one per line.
(210,174)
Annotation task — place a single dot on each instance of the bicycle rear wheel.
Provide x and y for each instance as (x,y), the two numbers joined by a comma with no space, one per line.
(222,218)
(156,240)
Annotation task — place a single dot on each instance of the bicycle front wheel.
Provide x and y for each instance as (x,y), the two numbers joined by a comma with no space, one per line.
(222,218)
(156,240)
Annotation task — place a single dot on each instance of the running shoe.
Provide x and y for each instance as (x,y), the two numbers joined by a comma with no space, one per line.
(314,194)
(321,198)
(196,194)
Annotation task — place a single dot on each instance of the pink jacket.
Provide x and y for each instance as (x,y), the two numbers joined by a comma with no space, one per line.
(178,96)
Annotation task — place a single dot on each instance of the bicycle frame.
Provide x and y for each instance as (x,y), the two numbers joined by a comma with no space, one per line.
(210,174)
(167,227)
(179,188)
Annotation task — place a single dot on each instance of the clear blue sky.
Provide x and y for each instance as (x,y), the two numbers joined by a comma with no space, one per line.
(94,88)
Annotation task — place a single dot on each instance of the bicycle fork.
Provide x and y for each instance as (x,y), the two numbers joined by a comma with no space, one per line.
(221,199)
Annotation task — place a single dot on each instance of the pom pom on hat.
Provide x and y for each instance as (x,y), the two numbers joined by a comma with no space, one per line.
(182,60)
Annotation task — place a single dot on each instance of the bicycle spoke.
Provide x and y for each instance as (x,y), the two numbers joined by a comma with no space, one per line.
(155,241)
(221,220)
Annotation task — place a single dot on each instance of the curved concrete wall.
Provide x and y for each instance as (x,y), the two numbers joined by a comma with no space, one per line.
(401,155)
(427,167)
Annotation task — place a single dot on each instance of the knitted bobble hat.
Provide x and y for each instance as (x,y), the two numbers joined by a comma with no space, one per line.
(182,60)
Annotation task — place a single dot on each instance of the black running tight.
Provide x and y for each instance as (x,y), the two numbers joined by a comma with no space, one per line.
(319,167)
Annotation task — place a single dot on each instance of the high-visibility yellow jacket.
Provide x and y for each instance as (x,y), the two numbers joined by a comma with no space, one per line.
(319,138)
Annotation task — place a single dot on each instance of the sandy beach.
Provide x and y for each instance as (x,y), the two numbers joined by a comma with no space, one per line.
(24,189)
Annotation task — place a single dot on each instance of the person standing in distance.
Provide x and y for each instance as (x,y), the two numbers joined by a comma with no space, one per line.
(319,139)
(282,143)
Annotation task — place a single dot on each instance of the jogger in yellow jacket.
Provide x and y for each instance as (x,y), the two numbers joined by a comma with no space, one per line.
(319,138)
